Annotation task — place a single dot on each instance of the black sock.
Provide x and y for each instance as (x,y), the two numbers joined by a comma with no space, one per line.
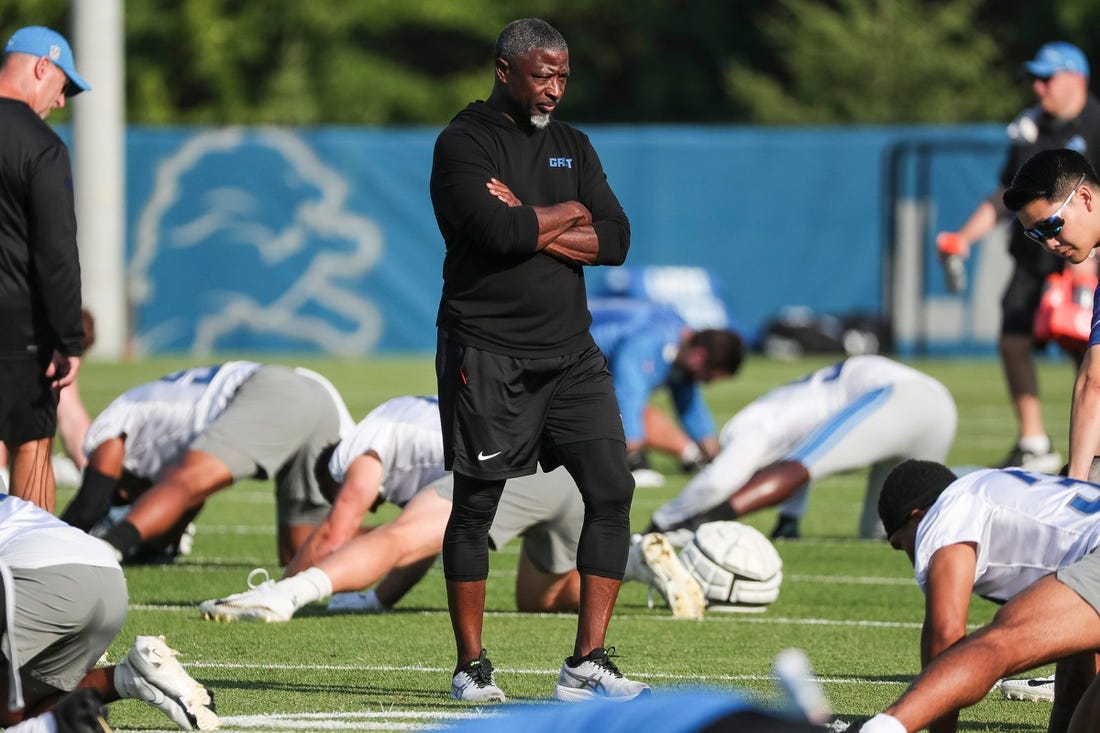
(122,536)
(721,513)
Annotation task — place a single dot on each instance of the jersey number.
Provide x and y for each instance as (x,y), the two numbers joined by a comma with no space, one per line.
(1078,502)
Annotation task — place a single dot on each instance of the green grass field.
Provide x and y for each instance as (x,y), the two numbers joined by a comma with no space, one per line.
(851,605)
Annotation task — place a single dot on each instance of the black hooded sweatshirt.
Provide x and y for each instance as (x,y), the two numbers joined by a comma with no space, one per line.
(499,294)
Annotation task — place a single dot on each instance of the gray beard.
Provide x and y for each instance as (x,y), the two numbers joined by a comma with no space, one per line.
(540,121)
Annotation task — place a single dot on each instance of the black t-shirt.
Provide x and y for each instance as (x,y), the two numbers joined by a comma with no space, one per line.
(1034,131)
(39,263)
(499,294)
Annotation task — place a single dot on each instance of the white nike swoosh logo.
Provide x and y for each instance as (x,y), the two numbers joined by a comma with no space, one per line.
(482,457)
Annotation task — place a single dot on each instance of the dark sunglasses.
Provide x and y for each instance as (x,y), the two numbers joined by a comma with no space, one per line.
(1051,226)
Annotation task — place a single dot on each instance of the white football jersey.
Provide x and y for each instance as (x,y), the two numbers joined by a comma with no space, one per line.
(406,435)
(783,417)
(31,537)
(161,419)
(771,426)
(1025,525)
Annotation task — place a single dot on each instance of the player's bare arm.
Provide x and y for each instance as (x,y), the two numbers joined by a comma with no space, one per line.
(357,496)
(1084,426)
(947,598)
(947,601)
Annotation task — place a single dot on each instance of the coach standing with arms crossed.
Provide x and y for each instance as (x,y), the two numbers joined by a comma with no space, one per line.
(523,204)
(40,340)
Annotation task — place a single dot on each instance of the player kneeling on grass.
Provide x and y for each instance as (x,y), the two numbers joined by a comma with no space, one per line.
(195,432)
(64,601)
(395,454)
(539,507)
(1024,539)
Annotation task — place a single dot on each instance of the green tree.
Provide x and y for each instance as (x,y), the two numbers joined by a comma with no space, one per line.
(416,62)
(878,61)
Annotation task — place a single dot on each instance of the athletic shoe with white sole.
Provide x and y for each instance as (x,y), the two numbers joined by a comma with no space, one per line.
(653,560)
(595,677)
(1039,688)
(1048,462)
(475,682)
(151,672)
(261,602)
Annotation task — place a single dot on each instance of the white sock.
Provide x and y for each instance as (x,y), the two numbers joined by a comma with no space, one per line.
(883,723)
(1038,444)
(306,587)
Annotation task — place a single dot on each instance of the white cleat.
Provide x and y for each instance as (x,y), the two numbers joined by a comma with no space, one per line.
(1036,689)
(654,561)
(262,602)
(151,672)
(596,677)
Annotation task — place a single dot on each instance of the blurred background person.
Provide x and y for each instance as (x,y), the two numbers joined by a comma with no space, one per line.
(1067,116)
(649,347)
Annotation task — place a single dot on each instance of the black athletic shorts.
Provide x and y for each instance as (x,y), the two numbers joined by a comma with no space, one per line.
(503,415)
(1020,301)
(28,406)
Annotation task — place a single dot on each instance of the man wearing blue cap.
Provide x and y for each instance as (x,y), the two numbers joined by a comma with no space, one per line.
(1066,116)
(40,343)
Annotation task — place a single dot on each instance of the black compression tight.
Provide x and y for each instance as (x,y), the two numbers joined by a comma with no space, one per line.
(466,541)
(600,470)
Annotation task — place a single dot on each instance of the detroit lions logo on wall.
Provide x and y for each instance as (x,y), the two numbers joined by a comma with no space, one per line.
(245,242)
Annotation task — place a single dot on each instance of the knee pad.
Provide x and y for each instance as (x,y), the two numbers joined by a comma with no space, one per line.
(466,540)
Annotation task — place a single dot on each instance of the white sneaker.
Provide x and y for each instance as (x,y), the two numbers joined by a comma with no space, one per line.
(261,602)
(151,672)
(1049,462)
(653,561)
(596,677)
(1039,688)
(475,682)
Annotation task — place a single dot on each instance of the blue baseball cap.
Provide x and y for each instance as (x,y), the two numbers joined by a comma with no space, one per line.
(41,41)
(1055,57)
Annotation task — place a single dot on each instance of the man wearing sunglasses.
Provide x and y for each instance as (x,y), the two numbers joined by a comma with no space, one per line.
(1066,116)
(1056,197)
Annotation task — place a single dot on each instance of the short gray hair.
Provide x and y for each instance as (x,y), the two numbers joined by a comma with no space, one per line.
(521,37)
